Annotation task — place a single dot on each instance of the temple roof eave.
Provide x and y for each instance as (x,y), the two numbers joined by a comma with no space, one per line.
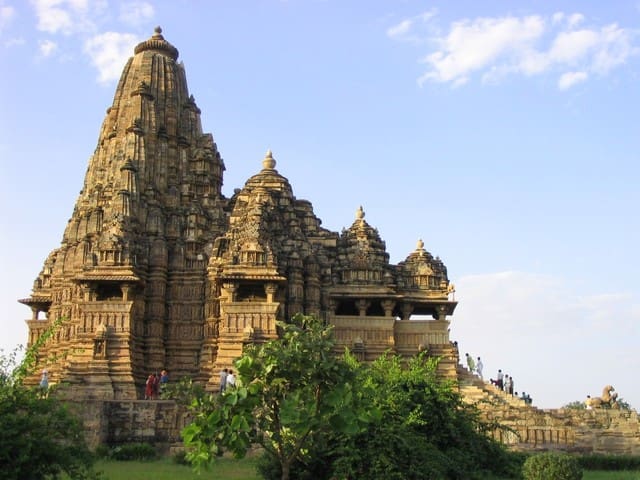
(107,278)
(36,300)
(362,291)
(252,276)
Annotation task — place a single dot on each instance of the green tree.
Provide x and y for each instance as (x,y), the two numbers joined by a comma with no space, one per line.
(424,431)
(39,437)
(289,390)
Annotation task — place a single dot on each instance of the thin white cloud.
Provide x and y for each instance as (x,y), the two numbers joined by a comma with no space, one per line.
(67,16)
(575,20)
(410,29)
(569,79)
(557,17)
(494,47)
(47,47)
(476,45)
(136,13)
(7,14)
(401,28)
(12,42)
(109,51)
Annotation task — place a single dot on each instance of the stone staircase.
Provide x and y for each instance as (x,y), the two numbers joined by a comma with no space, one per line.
(527,428)
(476,390)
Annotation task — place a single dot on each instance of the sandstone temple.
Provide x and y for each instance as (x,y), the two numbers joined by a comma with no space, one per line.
(157,269)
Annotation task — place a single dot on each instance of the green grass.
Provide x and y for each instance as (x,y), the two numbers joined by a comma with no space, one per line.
(609,475)
(231,469)
(166,469)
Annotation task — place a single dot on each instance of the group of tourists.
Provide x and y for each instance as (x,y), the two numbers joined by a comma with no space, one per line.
(474,366)
(502,381)
(154,384)
(227,379)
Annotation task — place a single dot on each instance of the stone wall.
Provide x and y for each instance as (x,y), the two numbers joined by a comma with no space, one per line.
(115,422)
(159,422)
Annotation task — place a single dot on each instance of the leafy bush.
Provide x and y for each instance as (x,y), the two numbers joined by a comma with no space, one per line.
(180,458)
(318,416)
(133,451)
(102,451)
(40,437)
(423,431)
(551,466)
(609,462)
(575,405)
(183,392)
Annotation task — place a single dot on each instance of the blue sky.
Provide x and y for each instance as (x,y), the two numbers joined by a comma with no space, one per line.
(504,134)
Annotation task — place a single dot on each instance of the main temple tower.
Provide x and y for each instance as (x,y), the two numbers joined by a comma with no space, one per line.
(128,279)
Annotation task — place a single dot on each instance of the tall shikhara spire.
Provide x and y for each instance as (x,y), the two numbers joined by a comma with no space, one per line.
(150,203)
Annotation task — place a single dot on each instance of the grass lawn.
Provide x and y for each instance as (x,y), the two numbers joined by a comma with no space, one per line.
(231,469)
(166,469)
(601,475)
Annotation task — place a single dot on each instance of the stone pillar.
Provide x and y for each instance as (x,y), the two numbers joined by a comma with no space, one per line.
(231,288)
(407,310)
(388,305)
(362,306)
(126,289)
(270,289)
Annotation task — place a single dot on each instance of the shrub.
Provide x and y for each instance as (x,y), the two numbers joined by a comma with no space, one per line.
(40,436)
(180,458)
(102,451)
(551,466)
(133,451)
(609,462)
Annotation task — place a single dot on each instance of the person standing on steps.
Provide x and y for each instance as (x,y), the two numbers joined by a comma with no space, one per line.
(470,363)
(224,373)
(148,387)
(479,367)
(44,384)
(164,379)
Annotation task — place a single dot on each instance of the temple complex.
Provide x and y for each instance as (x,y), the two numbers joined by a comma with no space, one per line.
(157,269)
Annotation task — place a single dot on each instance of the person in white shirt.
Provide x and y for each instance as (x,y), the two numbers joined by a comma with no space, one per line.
(231,379)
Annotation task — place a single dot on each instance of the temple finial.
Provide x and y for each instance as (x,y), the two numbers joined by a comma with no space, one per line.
(269,163)
(359,213)
(157,43)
